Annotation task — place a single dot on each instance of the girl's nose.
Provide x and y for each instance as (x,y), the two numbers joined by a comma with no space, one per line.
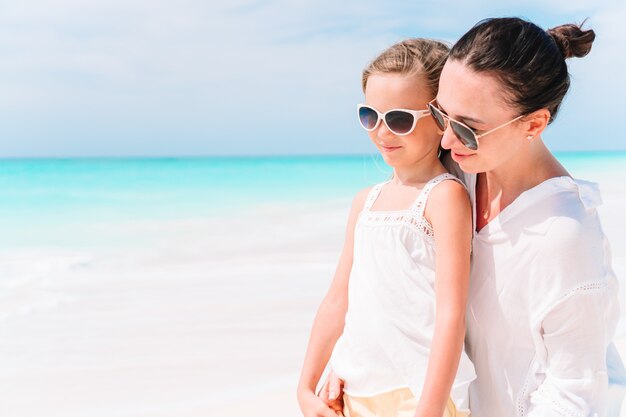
(384,132)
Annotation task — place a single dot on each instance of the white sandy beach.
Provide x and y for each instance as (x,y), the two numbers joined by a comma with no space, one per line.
(211,318)
(213,321)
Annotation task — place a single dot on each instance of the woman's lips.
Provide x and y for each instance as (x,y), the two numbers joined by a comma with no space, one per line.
(459,156)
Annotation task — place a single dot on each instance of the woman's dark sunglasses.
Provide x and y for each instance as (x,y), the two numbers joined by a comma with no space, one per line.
(466,135)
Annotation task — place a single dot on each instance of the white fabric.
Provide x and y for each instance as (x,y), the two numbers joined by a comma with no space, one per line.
(542,305)
(391,304)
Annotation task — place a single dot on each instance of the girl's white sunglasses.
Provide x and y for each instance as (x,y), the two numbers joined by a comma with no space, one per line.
(399,121)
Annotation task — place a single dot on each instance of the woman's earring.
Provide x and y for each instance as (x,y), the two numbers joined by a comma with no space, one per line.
(529,137)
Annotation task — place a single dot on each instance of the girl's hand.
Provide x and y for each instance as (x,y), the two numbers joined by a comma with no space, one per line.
(332,392)
(313,406)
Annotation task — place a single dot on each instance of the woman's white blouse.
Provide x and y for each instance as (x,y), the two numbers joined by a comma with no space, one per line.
(542,305)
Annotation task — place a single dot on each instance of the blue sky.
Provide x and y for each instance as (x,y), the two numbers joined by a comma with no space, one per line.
(191,77)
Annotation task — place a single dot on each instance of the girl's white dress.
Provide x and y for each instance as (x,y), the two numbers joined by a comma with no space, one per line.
(390,320)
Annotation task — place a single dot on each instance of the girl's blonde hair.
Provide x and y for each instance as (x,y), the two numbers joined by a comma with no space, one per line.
(413,56)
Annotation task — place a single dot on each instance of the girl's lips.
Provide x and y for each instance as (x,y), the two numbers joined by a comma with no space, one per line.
(389,148)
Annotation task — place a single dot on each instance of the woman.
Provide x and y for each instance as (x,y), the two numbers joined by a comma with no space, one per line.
(542,304)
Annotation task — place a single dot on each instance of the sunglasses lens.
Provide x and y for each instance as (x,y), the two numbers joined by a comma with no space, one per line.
(368,118)
(400,122)
(438,116)
(465,135)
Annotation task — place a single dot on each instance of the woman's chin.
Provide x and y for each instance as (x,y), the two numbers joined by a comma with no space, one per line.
(468,166)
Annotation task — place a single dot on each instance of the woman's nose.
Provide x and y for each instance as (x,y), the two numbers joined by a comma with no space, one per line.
(449,138)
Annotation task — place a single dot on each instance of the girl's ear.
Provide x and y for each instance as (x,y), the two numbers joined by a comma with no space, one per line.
(536,122)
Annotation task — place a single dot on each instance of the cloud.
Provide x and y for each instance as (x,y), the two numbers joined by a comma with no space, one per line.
(193,77)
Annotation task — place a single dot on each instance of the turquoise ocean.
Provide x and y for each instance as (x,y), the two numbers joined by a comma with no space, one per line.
(56,202)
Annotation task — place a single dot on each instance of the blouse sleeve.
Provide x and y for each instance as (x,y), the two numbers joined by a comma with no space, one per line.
(575,325)
(575,338)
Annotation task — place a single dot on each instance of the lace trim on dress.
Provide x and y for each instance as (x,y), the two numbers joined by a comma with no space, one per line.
(372,196)
(412,217)
(404,217)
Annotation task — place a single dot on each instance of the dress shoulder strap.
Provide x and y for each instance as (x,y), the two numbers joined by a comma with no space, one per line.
(420,204)
(373,195)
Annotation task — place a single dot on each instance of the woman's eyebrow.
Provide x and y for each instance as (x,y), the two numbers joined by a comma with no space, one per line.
(466,119)
(463,119)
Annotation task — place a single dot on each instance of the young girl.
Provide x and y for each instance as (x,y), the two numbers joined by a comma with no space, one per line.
(402,279)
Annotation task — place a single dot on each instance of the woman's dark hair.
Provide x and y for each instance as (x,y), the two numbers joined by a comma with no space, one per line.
(528,61)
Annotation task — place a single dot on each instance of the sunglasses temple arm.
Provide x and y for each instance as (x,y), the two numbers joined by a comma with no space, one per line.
(494,129)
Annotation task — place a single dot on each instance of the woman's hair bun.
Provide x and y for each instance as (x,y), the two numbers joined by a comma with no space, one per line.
(572,40)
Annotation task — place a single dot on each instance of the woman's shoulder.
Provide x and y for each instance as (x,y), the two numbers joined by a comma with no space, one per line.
(559,209)
(572,252)
(572,229)
(570,208)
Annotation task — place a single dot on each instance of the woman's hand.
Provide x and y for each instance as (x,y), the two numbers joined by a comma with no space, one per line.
(313,406)
(332,393)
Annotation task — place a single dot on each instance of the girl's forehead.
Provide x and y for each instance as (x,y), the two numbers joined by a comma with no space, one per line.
(396,79)
(397,87)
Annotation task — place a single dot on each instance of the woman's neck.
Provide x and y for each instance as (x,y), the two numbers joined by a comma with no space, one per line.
(498,188)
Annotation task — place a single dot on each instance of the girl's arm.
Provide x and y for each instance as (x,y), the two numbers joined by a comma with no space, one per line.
(449,211)
(329,322)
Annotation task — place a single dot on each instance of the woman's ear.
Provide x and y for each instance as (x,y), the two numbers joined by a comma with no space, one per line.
(536,122)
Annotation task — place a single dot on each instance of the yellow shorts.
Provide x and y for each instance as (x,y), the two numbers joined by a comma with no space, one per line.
(396,403)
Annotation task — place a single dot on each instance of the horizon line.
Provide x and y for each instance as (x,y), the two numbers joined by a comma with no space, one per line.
(259,156)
